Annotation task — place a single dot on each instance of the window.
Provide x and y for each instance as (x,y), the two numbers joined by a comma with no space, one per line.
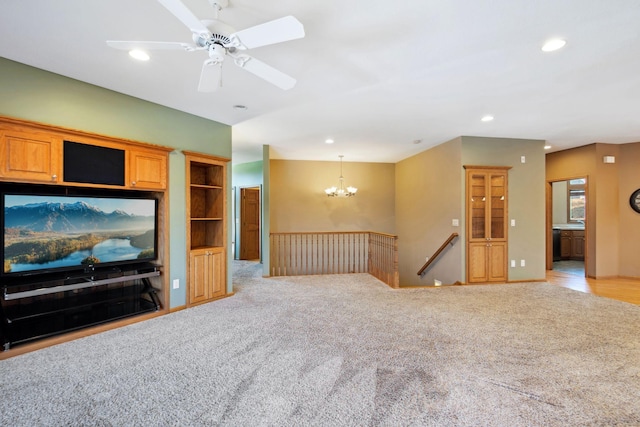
(576,200)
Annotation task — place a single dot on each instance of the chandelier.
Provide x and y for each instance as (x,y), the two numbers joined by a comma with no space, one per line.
(341,191)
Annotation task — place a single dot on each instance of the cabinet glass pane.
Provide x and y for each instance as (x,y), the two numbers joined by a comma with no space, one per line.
(498,204)
(478,206)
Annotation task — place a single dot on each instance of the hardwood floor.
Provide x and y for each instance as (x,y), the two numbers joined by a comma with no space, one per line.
(622,289)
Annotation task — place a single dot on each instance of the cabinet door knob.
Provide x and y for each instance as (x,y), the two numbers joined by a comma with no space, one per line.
(133,183)
(54,177)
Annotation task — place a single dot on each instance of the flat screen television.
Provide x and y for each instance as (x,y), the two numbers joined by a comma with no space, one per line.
(44,233)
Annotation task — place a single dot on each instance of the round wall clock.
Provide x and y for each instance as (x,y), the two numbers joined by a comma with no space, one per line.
(634,200)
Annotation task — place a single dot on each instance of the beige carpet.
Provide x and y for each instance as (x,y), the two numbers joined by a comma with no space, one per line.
(346,350)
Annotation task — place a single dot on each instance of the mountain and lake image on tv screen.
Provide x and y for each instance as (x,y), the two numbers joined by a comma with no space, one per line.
(53,232)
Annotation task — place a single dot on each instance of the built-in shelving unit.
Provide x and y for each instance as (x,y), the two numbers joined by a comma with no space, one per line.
(38,310)
(487,202)
(206,226)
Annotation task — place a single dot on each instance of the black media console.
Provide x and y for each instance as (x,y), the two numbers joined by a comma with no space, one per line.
(33,309)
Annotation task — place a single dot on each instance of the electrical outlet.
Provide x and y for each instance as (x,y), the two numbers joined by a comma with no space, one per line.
(513,263)
(523,159)
(521,263)
(437,282)
(455,222)
(513,222)
(176,283)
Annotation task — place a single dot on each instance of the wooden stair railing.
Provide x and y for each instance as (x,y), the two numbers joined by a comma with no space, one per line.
(340,252)
(437,253)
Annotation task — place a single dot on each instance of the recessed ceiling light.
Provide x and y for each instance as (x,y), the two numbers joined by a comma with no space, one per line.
(553,44)
(487,118)
(240,107)
(140,55)
(329,141)
(547,147)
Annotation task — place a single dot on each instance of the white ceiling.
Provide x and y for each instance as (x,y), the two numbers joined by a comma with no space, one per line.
(375,75)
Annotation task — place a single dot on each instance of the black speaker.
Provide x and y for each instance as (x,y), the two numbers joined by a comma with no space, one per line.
(92,164)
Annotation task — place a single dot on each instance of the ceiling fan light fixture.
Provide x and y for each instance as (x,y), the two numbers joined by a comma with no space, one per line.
(138,54)
(220,39)
(487,118)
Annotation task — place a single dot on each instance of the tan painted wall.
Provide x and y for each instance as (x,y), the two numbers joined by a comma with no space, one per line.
(526,239)
(607,212)
(298,201)
(629,220)
(428,197)
(613,232)
(576,163)
(417,199)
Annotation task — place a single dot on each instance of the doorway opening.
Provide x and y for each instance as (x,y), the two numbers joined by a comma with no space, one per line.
(567,219)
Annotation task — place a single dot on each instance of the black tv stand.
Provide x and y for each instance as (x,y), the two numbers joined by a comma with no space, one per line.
(34,308)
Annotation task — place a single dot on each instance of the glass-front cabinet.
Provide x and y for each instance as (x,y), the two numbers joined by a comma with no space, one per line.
(486,200)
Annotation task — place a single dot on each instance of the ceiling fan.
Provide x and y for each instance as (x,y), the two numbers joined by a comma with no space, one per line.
(221,40)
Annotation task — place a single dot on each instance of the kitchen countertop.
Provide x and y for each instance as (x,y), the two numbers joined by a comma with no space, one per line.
(568,227)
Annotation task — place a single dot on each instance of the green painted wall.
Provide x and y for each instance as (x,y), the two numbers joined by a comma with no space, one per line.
(266,208)
(33,94)
(244,175)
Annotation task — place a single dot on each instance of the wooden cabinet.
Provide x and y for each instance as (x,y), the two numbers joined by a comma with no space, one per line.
(206,275)
(577,246)
(37,153)
(486,200)
(30,156)
(565,244)
(38,156)
(147,170)
(487,262)
(572,244)
(206,226)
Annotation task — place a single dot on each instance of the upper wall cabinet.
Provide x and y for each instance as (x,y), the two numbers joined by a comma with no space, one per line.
(147,169)
(30,156)
(37,153)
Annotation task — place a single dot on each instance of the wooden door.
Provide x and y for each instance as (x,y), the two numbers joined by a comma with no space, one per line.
(497,262)
(565,244)
(199,276)
(216,267)
(250,223)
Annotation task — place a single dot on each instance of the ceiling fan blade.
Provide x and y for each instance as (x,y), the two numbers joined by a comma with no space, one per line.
(272,32)
(266,72)
(211,76)
(128,45)
(182,12)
